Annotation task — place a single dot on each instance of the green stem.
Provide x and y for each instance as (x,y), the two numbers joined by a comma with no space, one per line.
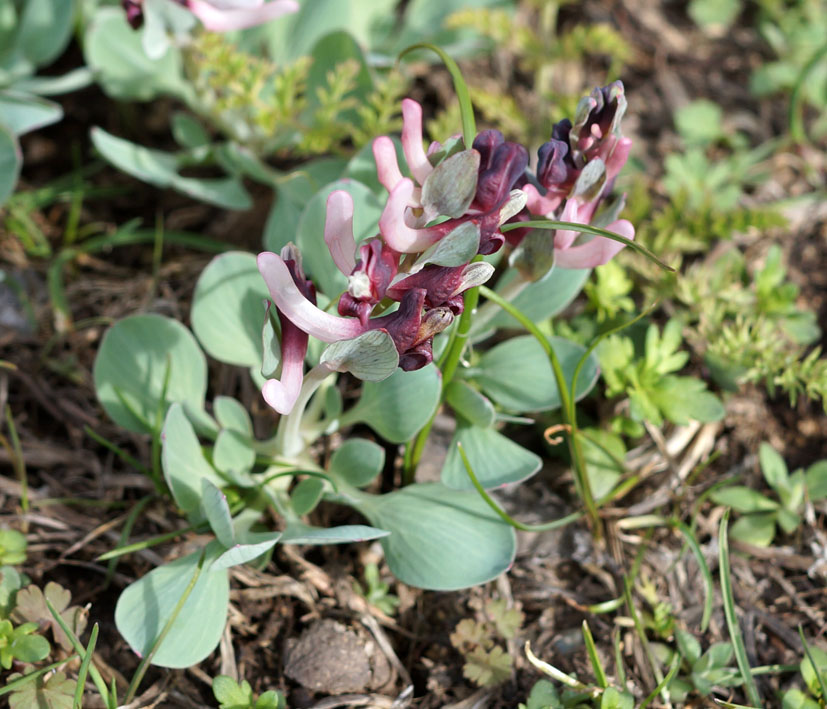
(447,364)
(568,408)
(502,514)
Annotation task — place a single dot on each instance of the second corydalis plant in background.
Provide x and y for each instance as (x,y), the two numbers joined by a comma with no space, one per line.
(181,16)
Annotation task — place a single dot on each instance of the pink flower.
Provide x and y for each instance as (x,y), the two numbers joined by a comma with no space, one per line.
(221,15)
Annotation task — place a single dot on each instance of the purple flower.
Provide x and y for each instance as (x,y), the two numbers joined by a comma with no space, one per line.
(576,170)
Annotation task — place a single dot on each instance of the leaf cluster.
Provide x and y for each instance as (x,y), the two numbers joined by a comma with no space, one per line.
(643,372)
(763,514)
(239,695)
(486,662)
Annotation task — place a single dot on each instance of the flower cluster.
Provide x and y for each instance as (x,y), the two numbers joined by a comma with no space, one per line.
(220,15)
(437,223)
(576,171)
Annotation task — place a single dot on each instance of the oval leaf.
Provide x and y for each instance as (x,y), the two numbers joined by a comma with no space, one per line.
(517,374)
(132,364)
(228,309)
(440,539)
(357,461)
(146,605)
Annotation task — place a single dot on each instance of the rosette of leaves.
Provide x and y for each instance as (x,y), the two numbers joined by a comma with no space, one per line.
(761,515)
(642,369)
(33,33)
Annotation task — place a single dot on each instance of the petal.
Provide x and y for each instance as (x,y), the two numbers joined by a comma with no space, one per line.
(219,20)
(564,238)
(397,234)
(540,205)
(338,231)
(282,394)
(387,167)
(298,309)
(596,252)
(415,156)
(617,159)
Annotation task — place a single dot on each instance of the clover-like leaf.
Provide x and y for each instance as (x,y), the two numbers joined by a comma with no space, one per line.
(31,606)
(487,668)
(470,634)
(508,620)
(57,692)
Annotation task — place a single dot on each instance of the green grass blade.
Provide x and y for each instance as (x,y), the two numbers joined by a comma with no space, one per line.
(80,650)
(84,667)
(25,679)
(818,674)
(731,618)
(587,229)
(709,585)
(594,658)
(466,109)
(664,683)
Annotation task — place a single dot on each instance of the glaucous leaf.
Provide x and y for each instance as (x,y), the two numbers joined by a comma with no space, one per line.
(131,366)
(468,403)
(184,463)
(357,461)
(440,539)
(298,532)
(517,374)
(228,309)
(232,414)
(162,169)
(495,459)
(399,406)
(233,453)
(217,512)
(114,52)
(543,299)
(23,112)
(146,605)
(306,495)
(254,546)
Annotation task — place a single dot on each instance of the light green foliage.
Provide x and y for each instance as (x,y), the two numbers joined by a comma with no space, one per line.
(608,293)
(268,107)
(761,514)
(10,583)
(376,590)
(645,375)
(12,547)
(486,663)
(525,36)
(50,692)
(751,330)
(235,695)
(795,31)
(543,696)
(19,643)
(700,672)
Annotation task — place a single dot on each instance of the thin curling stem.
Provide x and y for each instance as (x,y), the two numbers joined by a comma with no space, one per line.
(567,404)
(502,514)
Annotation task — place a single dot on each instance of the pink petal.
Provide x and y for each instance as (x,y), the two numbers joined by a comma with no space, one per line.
(282,395)
(618,157)
(239,18)
(538,204)
(564,238)
(338,231)
(415,156)
(387,167)
(596,252)
(298,309)
(396,232)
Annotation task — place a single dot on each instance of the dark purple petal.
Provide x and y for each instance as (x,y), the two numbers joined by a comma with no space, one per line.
(485,144)
(552,170)
(417,357)
(439,283)
(134,12)
(375,269)
(403,324)
(505,166)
